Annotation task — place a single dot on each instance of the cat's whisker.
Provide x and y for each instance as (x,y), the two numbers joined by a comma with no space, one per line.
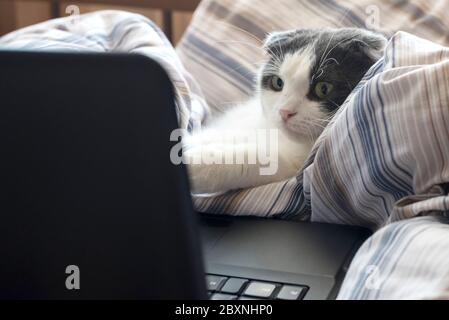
(239,68)
(326,121)
(334,103)
(282,57)
(274,64)
(310,135)
(276,57)
(315,124)
(266,64)
(348,84)
(269,67)
(325,50)
(269,71)
(315,76)
(338,43)
(319,124)
(277,60)
(328,60)
(330,40)
(252,36)
(308,124)
(328,117)
(322,122)
(241,42)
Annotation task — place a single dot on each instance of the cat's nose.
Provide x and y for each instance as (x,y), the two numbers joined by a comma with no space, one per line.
(286,114)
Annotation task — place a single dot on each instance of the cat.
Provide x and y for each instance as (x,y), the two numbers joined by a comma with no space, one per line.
(308,75)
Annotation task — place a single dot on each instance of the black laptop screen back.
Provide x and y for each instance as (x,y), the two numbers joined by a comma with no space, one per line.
(86,180)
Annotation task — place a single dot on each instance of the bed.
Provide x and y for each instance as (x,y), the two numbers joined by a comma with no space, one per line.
(382,163)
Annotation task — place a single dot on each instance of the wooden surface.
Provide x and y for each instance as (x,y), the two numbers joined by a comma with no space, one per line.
(7,16)
(16,14)
(30,12)
(172,5)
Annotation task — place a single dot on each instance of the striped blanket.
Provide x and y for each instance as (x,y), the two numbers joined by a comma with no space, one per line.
(380,163)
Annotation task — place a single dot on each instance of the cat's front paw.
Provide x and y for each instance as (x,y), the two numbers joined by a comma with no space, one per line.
(204,178)
(197,171)
(198,179)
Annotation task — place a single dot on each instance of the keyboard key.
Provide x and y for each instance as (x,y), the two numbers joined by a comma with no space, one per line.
(223,296)
(290,292)
(260,289)
(249,298)
(234,285)
(214,282)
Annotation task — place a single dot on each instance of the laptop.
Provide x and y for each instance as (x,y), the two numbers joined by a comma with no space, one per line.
(91,206)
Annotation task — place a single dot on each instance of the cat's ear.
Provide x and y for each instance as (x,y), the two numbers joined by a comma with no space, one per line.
(370,44)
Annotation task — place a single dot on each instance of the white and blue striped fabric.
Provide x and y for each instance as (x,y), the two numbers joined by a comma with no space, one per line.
(386,155)
(385,162)
(408,259)
(382,163)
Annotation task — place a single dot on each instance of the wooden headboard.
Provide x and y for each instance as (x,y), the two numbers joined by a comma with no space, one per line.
(167,7)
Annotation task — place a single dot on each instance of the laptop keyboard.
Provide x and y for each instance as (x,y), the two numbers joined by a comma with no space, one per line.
(231,288)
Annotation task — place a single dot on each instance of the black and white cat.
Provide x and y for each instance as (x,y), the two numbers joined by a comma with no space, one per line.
(309,74)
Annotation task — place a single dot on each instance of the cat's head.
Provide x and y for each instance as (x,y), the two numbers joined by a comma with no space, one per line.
(311,72)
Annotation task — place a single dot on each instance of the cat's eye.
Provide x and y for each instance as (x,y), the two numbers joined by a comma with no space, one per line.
(323,89)
(276,83)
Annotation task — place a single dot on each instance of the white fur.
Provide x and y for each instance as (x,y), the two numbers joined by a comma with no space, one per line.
(295,71)
(295,137)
